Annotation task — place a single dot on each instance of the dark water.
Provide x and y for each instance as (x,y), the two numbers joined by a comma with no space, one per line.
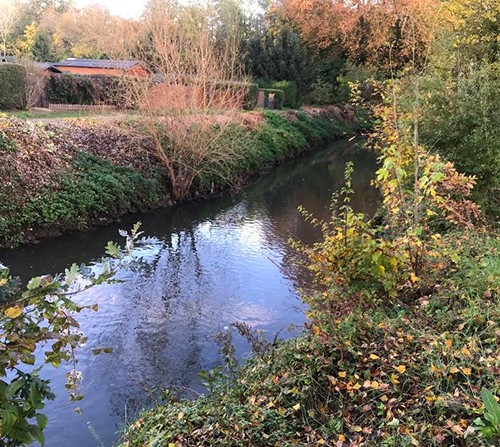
(206,265)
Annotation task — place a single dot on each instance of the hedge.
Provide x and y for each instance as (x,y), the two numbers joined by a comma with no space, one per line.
(79,89)
(289,87)
(250,92)
(12,86)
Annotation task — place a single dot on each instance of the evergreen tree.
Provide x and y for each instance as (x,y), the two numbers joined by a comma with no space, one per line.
(42,49)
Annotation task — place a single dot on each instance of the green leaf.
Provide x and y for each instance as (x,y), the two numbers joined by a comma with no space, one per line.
(34,283)
(492,408)
(37,434)
(72,274)
(112,249)
(41,420)
(13,388)
(9,418)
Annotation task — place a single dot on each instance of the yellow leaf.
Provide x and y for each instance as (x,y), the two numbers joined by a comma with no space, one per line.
(357,428)
(342,374)
(467,371)
(296,407)
(448,342)
(401,369)
(394,379)
(316,330)
(3,282)
(375,385)
(342,438)
(414,278)
(454,370)
(435,369)
(374,357)
(13,312)
(466,351)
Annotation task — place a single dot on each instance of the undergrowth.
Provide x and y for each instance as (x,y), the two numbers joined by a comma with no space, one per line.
(92,189)
(398,375)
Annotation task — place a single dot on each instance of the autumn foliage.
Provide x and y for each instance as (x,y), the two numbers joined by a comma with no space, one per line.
(380,34)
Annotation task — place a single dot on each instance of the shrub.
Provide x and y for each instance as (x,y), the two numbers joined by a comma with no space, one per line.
(72,89)
(12,86)
(291,91)
(461,121)
(322,92)
(403,376)
(248,90)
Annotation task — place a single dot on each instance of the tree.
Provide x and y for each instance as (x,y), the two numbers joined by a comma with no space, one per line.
(192,109)
(368,31)
(7,21)
(42,48)
(276,52)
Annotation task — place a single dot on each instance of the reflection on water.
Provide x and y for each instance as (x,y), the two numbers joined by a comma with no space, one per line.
(204,266)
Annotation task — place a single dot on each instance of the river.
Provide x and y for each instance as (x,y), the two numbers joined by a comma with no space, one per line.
(204,265)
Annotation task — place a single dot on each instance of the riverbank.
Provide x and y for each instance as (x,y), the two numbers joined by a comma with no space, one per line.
(69,175)
(403,373)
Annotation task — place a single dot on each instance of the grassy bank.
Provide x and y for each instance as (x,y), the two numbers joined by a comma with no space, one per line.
(402,373)
(68,175)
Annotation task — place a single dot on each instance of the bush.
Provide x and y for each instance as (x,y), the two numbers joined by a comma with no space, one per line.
(461,121)
(89,90)
(12,86)
(323,92)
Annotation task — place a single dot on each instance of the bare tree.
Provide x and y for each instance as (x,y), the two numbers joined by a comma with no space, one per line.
(7,19)
(36,80)
(191,105)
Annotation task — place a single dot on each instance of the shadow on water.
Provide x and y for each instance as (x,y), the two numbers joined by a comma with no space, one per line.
(204,265)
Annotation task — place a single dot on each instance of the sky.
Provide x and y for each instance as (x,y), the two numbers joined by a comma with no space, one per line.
(131,9)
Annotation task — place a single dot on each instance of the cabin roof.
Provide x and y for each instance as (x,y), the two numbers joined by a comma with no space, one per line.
(97,63)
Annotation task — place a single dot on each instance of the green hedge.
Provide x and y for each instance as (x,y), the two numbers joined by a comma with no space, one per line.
(12,86)
(250,92)
(88,90)
(290,89)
